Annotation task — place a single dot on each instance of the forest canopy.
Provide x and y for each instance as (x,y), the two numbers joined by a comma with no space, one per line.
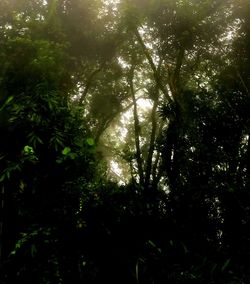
(125,141)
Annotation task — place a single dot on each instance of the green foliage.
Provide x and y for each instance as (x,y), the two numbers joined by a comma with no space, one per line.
(66,151)
(9,99)
(69,72)
(90,141)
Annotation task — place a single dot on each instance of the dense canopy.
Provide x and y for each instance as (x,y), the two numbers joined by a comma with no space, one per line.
(125,141)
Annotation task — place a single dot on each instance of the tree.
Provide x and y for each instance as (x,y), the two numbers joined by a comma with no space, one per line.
(46,154)
(125,141)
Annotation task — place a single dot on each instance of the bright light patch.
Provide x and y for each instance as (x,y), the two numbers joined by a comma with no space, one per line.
(117,171)
(123,133)
(115,168)
(144,104)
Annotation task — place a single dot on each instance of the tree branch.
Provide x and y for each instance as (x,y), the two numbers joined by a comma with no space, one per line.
(88,84)
(152,65)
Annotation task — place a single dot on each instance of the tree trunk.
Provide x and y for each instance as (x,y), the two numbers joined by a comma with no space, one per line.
(136,128)
(152,141)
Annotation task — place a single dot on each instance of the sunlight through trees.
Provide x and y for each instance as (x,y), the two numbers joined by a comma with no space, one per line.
(124,150)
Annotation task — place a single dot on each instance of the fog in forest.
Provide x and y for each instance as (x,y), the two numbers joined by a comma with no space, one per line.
(124,141)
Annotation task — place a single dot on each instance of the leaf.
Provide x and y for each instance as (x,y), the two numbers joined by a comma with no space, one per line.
(66,151)
(184,247)
(152,243)
(39,140)
(9,100)
(79,143)
(90,141)
(6,102)
(225,265)
(154,246)
(2,178)
(73,156)
(193,276)
(22,186)
(213,268)
(33,138)
(33,250)
(2,157)
(59,161)
(28,150)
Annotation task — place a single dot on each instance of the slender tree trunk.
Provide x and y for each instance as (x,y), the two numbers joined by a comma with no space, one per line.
(136,127)
(156,170)
(152,141)
(174,80)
